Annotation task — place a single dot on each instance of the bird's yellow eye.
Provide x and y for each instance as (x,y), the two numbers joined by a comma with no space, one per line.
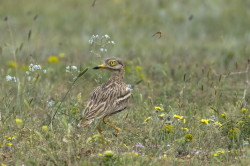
(112,63)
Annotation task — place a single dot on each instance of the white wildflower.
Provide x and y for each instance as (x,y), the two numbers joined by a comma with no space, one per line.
(50,103)
(27,73)
(106,36)
(91,41)
(44,71)
(73,67)
(67,68)
(103,50)
(10,78)
(111,42)
(34,67)
(70,68)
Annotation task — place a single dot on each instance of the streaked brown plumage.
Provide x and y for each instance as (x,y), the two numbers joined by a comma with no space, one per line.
(110,97)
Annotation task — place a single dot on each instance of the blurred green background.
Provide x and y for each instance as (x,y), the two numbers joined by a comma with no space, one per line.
(222,27)
(208,36)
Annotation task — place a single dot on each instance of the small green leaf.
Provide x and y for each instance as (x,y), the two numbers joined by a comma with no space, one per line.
(83,72)
(29,35)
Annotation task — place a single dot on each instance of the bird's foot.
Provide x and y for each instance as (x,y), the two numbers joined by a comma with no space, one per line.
(118,130)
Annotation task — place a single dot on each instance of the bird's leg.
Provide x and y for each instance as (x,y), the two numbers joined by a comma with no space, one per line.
(99,129)
(111,125)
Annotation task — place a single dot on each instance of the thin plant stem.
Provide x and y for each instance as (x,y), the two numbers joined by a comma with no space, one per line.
(64,97)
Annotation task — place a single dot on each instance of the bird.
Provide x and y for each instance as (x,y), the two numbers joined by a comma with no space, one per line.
(109,98)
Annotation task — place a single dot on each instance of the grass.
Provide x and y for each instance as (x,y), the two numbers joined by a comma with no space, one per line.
(191,107)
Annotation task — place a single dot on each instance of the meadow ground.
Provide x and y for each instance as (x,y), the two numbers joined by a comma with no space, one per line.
(190,103)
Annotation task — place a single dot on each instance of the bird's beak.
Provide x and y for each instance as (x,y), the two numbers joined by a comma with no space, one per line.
(100,66)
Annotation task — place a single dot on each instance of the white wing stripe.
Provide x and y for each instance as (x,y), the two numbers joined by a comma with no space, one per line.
(124,97)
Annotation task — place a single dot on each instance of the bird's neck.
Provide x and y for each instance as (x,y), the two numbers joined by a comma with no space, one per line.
(118,75)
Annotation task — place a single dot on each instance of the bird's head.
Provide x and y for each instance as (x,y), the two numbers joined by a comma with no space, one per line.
(112,64)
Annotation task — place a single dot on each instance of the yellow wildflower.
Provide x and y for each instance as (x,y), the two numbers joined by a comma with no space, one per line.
(169,128)
(12,64)
(135,153)
(159,108)
(138,68)
(19,123)
(185,129)
(219,152)
(45,128)
(161,115)
(188,137)
(10,144)
(109,154)
(218,124)
(215,154)
(244,110)
(223,115)
(147,119)
(205,121)
(61,55)
(9,138)
(184,121)
(99,154)
(53,59)
(178,117)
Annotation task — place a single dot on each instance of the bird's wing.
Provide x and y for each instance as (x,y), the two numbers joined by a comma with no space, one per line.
(107,99)
(94,105)
(122,99)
